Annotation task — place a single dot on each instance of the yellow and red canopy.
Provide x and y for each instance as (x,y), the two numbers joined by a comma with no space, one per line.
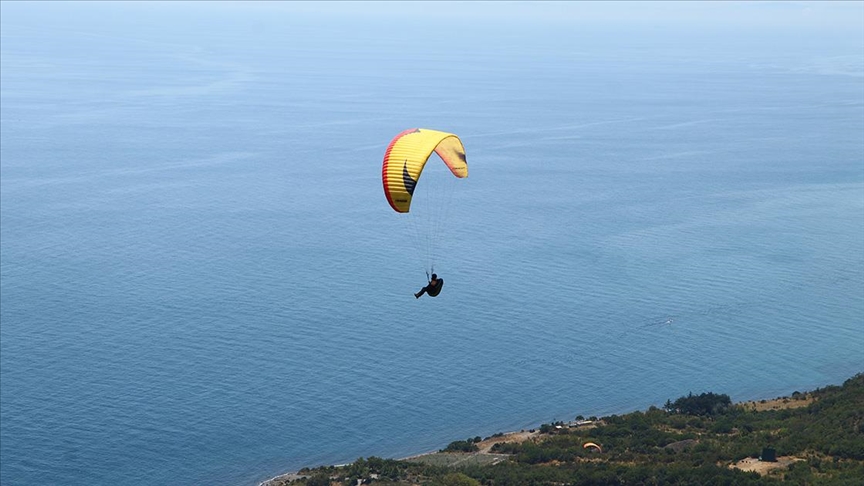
(406,157)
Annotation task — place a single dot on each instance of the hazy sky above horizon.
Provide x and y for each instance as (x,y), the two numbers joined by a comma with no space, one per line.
(789,14)
(804,13)
(813,28)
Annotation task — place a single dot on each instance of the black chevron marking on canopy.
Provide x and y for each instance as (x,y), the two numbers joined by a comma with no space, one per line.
(410,183)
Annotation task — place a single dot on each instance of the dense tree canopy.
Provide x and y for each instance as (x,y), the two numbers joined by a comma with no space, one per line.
(703,404)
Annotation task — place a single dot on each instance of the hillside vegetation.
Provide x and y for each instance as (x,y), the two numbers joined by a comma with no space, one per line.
(817,438)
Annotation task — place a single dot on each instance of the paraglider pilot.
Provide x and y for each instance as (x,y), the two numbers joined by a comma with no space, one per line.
(433,289)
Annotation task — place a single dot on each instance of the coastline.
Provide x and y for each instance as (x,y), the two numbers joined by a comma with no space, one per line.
(485,446)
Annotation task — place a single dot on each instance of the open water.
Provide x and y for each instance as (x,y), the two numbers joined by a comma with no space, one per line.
(202,282)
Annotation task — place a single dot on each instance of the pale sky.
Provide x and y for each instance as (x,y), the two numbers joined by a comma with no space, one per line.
(789,13)
(786,23)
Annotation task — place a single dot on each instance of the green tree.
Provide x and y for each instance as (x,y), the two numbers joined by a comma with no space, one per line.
(456,479)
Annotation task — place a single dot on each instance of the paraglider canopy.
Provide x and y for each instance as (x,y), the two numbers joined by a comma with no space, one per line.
(406,158)
(593,446)
(424,206)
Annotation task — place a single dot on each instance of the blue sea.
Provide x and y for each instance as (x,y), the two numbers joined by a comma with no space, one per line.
(203,283)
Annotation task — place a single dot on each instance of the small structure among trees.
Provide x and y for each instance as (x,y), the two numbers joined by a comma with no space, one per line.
(768,455)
